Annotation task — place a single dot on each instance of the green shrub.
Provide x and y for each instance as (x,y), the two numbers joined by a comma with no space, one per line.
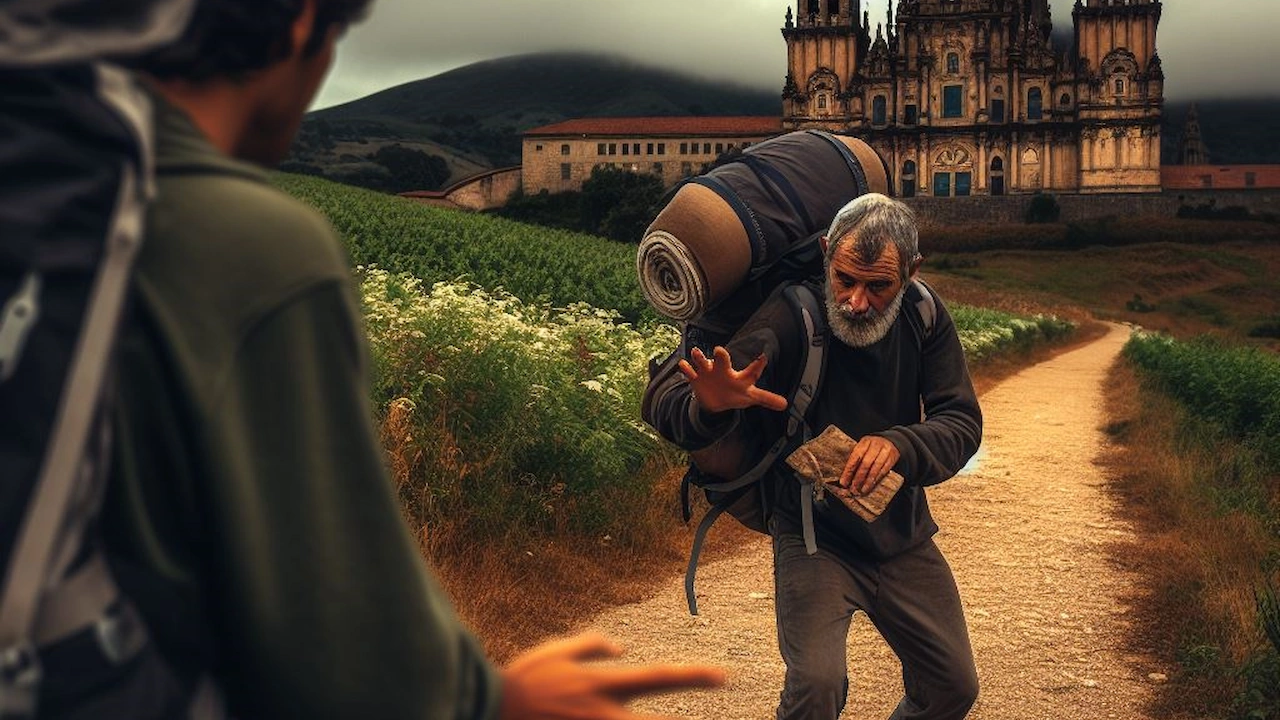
(1043,209)
(525,417)
(1235,388)
(985,332)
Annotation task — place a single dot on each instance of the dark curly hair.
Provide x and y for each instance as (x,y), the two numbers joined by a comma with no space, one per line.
(233,38)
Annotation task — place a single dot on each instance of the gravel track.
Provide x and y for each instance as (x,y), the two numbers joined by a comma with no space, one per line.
(1037,546)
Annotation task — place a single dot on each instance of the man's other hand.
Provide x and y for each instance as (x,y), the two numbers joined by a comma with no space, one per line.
(718,387)
(551,682)
(872,458)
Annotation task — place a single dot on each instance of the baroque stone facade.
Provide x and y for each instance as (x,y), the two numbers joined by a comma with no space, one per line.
(970,97)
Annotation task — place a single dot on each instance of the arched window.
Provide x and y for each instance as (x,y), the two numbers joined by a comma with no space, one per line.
(878,110)
(953,63)
(1035,103)
(996,178)
(909,178)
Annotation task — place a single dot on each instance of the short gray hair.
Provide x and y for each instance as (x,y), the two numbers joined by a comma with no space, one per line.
(873,221)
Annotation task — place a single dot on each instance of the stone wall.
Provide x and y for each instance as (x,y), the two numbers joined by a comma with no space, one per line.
(490,190)
(1075,208)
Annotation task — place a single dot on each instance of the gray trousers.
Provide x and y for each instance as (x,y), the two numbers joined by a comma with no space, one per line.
(911,599)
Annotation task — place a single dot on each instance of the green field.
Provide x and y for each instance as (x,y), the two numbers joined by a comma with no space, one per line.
(508,353)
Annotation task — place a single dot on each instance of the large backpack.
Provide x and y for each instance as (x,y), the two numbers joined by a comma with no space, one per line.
(725,242)
(75,141)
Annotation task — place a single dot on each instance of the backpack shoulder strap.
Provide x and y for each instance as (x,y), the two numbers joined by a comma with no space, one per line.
(804,302)
(34,608)
(921,298)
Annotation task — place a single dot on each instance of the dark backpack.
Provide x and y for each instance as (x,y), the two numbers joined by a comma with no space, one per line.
(75,140)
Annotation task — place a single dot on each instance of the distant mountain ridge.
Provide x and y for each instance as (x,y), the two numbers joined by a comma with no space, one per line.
(472,117)
(524,91)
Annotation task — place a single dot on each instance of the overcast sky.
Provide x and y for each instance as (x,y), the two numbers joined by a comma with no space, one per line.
(1217,48)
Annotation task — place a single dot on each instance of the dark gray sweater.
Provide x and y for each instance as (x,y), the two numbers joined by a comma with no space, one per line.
(881,390)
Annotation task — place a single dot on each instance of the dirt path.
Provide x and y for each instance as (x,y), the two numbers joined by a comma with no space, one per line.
(1030,532)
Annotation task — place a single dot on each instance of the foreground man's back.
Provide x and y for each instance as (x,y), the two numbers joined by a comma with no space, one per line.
(274,498)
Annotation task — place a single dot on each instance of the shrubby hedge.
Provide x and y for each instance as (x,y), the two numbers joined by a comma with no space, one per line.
(1233,388)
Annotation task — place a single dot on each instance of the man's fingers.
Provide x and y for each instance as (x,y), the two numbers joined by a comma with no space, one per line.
(849,478)
(876,470)
(752,372)
(687,370)
(766,399)
(700,361)
(722,358)
(588,646)
(629,682)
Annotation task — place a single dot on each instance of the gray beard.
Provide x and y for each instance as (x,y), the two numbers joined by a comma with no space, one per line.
(862,330)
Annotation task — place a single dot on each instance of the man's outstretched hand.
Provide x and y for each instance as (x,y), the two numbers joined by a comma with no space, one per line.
(718,387)
(551,682)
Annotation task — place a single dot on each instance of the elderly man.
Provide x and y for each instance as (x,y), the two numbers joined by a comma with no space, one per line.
(885,363)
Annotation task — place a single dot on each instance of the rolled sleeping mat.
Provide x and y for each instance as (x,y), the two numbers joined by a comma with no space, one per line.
(721,228)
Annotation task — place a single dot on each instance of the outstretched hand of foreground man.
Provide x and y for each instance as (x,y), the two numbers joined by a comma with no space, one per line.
(718,387)
(552,682)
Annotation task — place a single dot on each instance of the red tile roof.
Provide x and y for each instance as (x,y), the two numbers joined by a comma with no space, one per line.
(655,126)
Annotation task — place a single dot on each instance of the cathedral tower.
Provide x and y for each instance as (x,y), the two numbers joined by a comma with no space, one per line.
(826,42)
(1120,91)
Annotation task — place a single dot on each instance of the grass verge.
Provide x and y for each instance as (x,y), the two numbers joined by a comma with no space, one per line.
(1207,559)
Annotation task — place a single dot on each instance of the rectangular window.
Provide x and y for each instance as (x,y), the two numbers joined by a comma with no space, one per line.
(1250,179)
(648,149)
(635,148)
(963,180)
(564,149)
(942,184)
(911,115)
(997,111)
(613,148)
(626,149)
(662,148)
(719,148)
(600,148)
(684,148)
(706,148)
(566,171)
(537,148)
(953,101)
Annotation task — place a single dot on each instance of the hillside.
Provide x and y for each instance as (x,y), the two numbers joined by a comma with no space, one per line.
(472,117)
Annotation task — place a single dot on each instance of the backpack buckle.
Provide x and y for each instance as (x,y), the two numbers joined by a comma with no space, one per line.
(20,674)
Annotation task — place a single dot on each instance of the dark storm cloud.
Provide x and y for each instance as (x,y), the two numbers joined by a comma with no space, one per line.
(1215,49)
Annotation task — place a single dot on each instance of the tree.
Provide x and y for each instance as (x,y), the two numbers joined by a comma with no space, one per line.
(411,169)
(620,204)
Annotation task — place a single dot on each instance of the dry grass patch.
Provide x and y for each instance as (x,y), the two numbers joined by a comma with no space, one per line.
(1201,564)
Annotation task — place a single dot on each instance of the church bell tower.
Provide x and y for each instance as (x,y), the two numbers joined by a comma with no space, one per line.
(1120,86)
(826,42)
